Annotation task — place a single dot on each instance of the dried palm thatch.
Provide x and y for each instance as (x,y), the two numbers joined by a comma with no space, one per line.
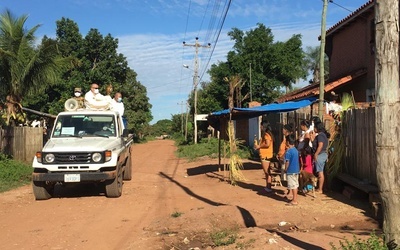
(235,162)
(337,146)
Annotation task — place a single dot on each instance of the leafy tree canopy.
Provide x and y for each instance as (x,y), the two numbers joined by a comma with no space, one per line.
(274,66)
(46,75)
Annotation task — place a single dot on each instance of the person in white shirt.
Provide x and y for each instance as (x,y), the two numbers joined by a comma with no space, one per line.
(117,104)
(119,107)
(95,100)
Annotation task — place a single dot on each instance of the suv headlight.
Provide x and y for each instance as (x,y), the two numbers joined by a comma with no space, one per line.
(96,157)
(49,158)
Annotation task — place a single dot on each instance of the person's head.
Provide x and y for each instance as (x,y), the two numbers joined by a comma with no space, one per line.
(319,127)
(290,139)
(287,129)
(315,119)
(118,97)
(94,88)
(304,125)
(109,89)
(265,128)
(77,92)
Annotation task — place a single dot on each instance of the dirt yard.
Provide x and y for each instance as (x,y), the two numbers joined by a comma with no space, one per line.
(174,204)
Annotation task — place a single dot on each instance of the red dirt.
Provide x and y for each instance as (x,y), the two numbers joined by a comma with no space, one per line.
(81,217)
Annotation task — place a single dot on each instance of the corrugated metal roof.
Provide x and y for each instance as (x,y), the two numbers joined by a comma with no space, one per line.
(264,109)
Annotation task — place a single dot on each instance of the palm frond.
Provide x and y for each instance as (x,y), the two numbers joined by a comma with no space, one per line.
(235,162)
(337,146)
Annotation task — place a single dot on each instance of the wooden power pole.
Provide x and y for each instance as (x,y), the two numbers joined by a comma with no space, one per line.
(321,62)
(182,104)
(387,112)
(196,80)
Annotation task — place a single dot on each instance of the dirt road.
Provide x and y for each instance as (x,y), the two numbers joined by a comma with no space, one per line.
(174,203)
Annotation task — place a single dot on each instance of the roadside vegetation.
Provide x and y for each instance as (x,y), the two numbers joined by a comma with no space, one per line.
(13,174)
(208,148)
(373,242)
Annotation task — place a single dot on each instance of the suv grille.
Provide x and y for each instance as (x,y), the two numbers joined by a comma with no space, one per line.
(68,158)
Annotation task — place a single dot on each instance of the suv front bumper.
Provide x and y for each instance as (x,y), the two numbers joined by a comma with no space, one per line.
(84,176)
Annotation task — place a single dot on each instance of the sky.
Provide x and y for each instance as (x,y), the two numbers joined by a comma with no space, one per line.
(151,33)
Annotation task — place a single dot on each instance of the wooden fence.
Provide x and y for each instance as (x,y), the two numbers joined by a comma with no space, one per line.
(21,142)
(360,155)
(359,130)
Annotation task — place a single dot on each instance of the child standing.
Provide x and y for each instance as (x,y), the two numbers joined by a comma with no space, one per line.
(292,168)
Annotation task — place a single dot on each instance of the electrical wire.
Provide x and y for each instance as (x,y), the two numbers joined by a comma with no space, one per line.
(331,1)
(204,16)
(222,21)
(183,49)
(215,24)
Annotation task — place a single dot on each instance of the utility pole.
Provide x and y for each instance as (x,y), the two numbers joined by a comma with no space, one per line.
(386,111)
(251,94)
(196,80)
(181,104)
(186,122)
(321,62)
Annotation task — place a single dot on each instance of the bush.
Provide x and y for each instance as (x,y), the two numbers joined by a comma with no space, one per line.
(13,173)
(206,147)
(373,242)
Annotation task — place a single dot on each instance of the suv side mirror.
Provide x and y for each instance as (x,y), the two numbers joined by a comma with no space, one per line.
(125,132)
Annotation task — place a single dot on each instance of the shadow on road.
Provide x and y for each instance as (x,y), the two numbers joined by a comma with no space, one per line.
(190,192)
(248,219)
(78,190)
(219,168)
(299,243)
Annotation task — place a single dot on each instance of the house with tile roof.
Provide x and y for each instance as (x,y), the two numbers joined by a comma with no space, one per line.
(350,47)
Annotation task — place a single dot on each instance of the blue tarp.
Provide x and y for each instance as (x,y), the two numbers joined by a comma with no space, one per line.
(260,110)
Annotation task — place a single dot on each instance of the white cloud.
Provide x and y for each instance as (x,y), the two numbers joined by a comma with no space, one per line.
(158,59)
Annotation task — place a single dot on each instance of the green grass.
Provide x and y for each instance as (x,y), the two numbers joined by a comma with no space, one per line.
(246,245)
(224,237)
(373,242)
(208,148)
(176,214)
(13,174)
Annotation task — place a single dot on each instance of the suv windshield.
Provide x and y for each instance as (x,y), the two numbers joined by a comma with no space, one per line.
(84,126)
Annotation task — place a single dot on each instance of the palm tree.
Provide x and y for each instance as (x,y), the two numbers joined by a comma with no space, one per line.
(312,56)
(25,68)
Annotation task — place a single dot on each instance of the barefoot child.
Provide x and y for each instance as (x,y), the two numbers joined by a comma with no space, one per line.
(292,168)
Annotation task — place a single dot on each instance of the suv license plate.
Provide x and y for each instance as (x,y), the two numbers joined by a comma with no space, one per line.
(72,178)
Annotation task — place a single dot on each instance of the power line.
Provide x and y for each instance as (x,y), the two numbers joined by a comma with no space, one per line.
(204,16)
(331,1)
(169,83)
(216,40)
(212,31)
(187,18)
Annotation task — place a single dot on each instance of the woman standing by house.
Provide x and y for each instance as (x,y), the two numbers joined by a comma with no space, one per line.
(320,144)
(265,147)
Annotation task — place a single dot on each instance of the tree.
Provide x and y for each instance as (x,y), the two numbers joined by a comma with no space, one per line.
(26,69)
(275,65)
(100,62)
(162,127)
(311,63)
(178,123)
(387,116)
(137,106)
